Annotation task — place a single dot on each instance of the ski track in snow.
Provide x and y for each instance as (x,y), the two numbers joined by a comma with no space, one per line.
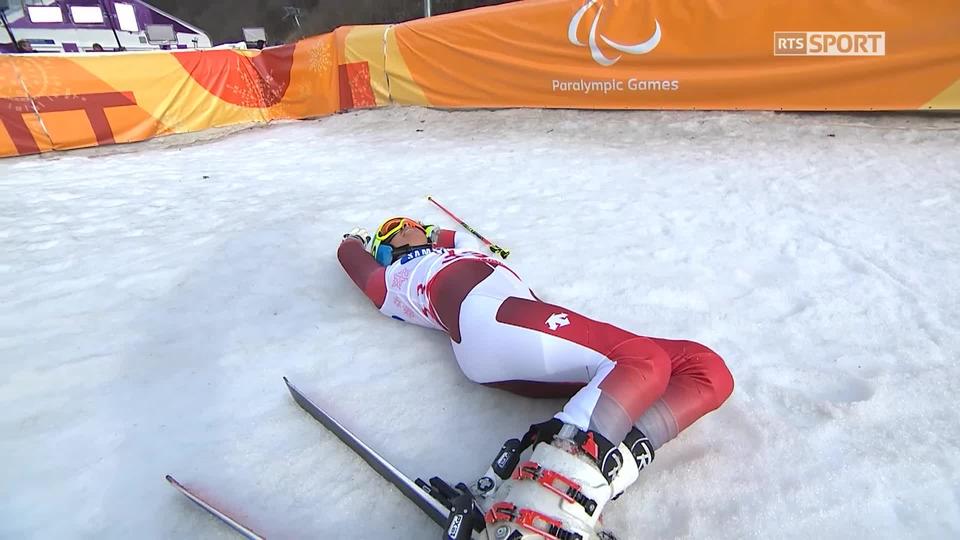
(154,295)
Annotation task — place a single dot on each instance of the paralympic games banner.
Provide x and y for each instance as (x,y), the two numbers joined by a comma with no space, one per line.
(590,54)
(56,102)
(672,54)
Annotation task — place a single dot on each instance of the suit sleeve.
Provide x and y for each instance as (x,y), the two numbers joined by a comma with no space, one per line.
(448,239)
(445,239)
(364,270)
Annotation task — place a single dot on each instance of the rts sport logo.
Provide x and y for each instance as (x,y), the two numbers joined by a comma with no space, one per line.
(595,18)
(829,43)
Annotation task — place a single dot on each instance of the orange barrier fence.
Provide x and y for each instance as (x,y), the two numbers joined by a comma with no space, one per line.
(674,54)
(56,102)
(591,54)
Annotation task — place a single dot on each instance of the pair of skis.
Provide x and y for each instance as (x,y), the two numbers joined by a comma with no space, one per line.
(419,492)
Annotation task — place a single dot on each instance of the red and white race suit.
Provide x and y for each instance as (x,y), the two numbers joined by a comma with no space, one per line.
(504,336)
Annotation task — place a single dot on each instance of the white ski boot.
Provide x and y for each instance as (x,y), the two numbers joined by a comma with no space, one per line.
(560,492)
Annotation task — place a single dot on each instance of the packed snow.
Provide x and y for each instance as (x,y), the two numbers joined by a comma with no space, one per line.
(154,296)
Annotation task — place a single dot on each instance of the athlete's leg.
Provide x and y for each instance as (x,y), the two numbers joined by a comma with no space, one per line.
(504,337)
(699,383)
(509,339)
(515,341)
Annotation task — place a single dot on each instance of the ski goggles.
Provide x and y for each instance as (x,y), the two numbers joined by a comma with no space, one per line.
(392,226)
(379,248)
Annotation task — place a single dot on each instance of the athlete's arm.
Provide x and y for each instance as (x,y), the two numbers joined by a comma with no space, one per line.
(363,269)
(449,239)
(445,238)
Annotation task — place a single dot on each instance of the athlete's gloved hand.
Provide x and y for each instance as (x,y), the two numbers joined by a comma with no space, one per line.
(432,232)
(360,234)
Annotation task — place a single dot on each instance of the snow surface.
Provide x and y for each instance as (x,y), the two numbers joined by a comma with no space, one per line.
(152,301)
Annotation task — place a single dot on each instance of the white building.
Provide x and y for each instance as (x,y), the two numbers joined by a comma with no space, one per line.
(94,25)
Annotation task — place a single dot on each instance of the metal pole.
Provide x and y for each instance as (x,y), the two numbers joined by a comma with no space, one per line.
(3,17)
(426,7)
(109,17)
(293,11)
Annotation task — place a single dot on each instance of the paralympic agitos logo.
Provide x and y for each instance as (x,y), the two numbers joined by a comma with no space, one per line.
(595,20)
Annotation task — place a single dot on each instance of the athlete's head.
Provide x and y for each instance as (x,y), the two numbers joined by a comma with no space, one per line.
(395,237)
(413,235)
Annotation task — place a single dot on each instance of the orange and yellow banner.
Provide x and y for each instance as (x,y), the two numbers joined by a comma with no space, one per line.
(56,102)
(814,55)
(669,54)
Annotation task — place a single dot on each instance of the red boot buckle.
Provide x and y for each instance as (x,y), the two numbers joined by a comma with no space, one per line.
(546,526)
(531,470)
(569,491)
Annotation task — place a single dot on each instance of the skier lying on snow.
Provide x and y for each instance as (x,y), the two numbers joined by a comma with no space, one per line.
(628,394)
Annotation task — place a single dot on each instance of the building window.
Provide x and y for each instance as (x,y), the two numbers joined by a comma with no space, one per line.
(126,17)
(86,14)
(44,14)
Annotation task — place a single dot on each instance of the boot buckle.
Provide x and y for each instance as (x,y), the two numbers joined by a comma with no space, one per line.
(568,490)
(542,524)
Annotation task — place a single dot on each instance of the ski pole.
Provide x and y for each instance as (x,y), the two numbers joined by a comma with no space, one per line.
(503,253)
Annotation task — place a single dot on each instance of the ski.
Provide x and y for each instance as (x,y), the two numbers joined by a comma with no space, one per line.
(215,512)
(433,508)
(428,496)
